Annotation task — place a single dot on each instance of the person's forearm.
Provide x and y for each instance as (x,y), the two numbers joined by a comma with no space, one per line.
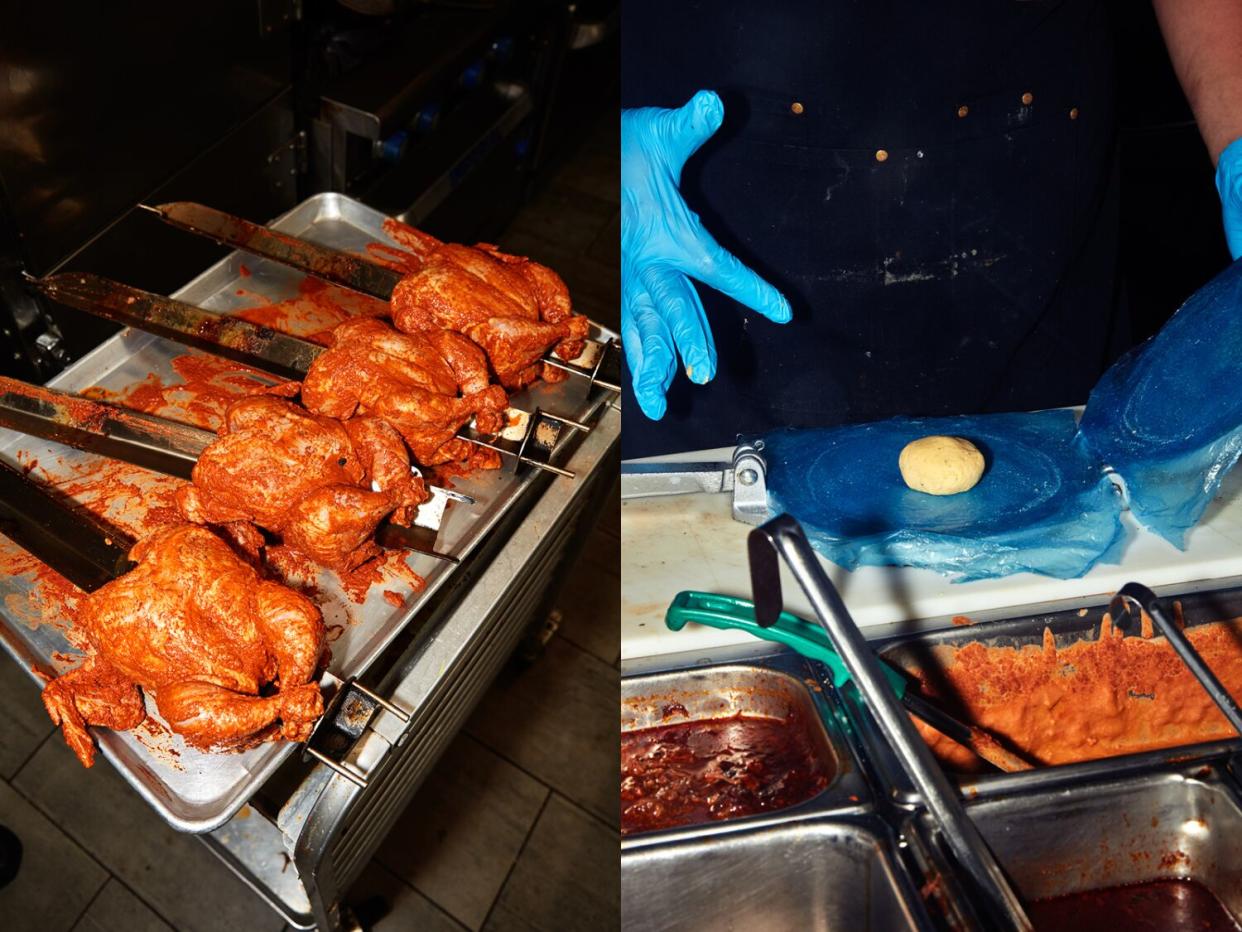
(1204,38)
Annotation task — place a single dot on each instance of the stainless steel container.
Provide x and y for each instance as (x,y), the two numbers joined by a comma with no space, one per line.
(796,875)
(1068,627)
(783,688)
(1166,825)
(878,863)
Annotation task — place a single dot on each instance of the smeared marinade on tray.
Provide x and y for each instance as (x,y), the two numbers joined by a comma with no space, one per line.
(363,610)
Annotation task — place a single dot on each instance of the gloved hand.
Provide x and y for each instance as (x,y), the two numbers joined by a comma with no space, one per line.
(663,245)
(1228,183)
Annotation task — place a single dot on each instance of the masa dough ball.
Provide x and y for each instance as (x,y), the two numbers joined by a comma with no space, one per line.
(940,465)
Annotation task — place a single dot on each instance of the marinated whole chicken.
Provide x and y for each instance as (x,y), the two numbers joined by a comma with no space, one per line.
(227,658)
(515,309)
(411,381)
(321,484)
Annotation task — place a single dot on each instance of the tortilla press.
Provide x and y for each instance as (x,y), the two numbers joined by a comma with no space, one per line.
(745,477)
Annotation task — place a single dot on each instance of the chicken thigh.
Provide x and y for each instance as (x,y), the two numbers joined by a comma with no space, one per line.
(322,485)
(410,381)
(227,657)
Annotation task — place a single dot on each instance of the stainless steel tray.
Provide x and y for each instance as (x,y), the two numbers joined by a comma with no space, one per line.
(1170,824)
(1055,830)
(192,790)
(796,875)
(776,689)
(1067,627)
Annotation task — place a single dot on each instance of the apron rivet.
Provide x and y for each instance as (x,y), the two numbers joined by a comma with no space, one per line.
(881,155)
(1027,98)
(796,107)
(1073,113)
(962,111)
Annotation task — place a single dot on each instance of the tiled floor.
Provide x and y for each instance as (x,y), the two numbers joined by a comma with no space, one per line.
(516,829)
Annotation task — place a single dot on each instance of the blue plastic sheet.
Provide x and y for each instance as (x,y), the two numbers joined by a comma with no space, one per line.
(1043,505)
(1168,415)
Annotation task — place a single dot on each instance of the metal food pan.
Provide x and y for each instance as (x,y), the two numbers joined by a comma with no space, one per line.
(1068,626)
(800,875)
(777,689)
(192,790)
(1168,825)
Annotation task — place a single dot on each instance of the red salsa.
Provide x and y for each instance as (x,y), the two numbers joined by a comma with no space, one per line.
(1156,906)
(716,769)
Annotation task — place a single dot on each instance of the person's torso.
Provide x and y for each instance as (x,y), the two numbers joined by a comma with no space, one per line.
(927,183)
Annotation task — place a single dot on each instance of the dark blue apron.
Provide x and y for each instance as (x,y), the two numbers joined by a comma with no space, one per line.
(932,185)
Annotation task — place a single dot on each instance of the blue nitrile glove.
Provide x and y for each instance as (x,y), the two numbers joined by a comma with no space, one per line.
(1229,184)
(663,245)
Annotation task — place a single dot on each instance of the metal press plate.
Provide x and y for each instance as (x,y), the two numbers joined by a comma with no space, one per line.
(196,791)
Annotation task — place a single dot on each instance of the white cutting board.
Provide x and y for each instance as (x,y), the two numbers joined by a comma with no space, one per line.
(691,542)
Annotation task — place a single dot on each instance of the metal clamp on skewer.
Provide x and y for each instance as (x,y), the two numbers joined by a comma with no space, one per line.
(599,363)
(745,476)
(348,715)
(530,438)
(422,532)
(782,537)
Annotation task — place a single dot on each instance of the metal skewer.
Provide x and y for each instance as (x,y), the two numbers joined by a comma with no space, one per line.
(333,265)
(236,339)
(1135,596)
(783,537)
(166,447)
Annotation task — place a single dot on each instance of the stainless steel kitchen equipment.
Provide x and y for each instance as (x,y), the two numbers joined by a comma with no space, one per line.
(782,538)
(1158,815)
(745,476)
(431,657)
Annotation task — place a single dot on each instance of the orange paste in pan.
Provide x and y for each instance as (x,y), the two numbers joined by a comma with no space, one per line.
(1095,698)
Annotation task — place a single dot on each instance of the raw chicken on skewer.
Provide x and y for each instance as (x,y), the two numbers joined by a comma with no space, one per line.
(508,304)
(515,309)
(288,356)
(412,382)
(229,659)
(322,485)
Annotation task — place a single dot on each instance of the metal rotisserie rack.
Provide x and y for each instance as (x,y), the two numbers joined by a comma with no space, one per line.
(865,853)
(425,652)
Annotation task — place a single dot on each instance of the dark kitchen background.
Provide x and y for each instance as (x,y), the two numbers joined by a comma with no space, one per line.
(492,121)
